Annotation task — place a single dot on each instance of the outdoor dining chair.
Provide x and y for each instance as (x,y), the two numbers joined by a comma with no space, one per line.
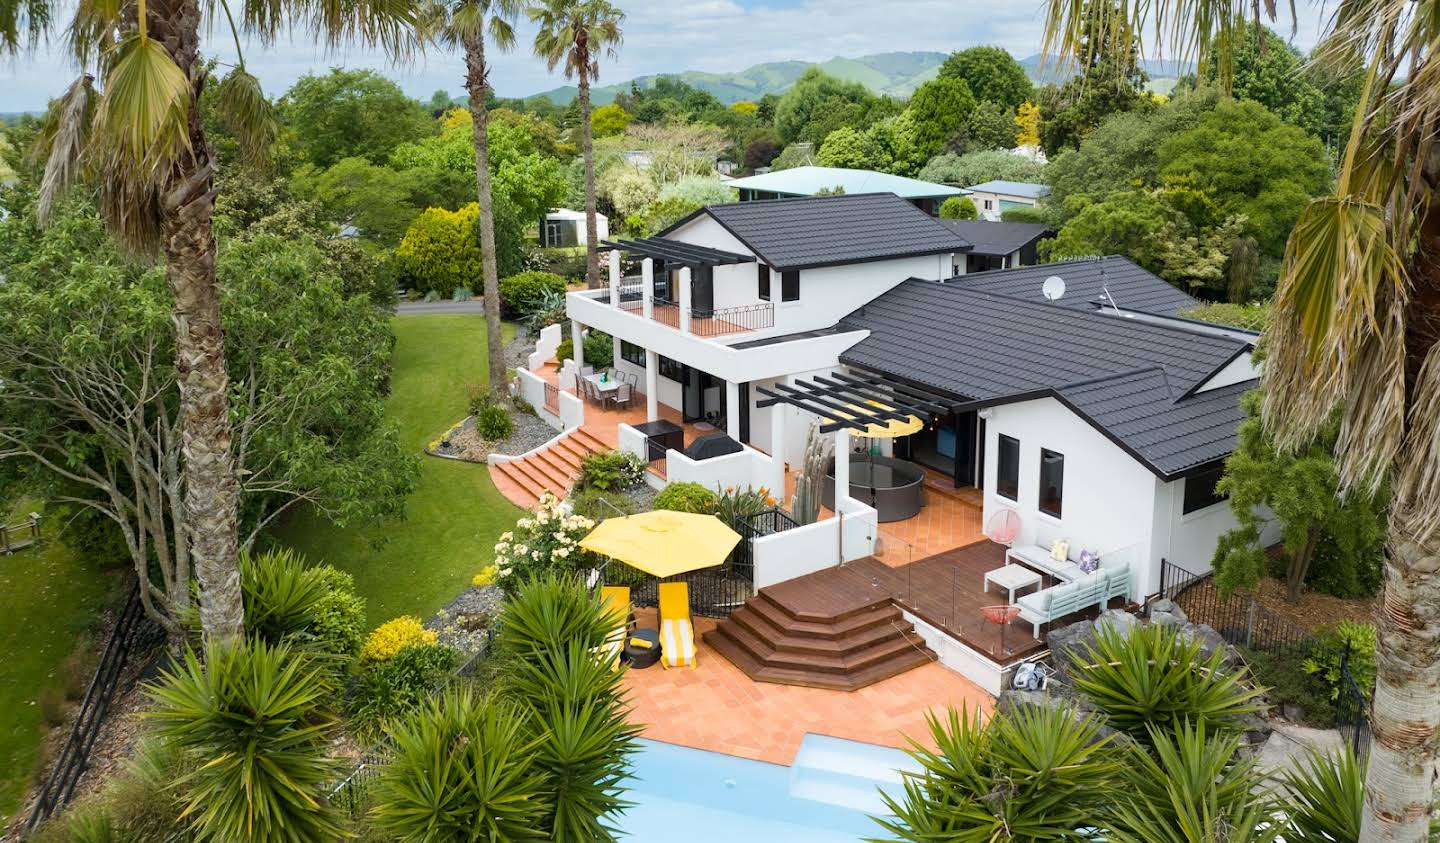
(624,395)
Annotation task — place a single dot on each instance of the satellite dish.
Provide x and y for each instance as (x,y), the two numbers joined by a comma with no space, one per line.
(1053,288)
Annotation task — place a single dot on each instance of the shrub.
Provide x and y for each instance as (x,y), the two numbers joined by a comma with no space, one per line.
(254,720)
(687,497)
(389,690)
(523,293)
(1192,788)
(610,471)
(1025,214)
(543,543)
(958,208)
(393,637)
(1052,770)
(440,251)
(488,788)
(1329,650)
(309,607)
(1154,677)
(733,506)
(599,350)
(1285,681)
(1327,796)
(548,310)
(494,423)
(599,504)
(462,293)
(485,577)
(565,350)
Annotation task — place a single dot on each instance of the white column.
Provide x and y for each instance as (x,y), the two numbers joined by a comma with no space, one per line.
(647,288)
(577,337)
(614,277)
(842,465)
(777,451)
(685,300)
(733,410)
(652,384)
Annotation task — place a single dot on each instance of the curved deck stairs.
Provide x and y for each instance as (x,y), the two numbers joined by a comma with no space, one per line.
(553,469)
(774,638)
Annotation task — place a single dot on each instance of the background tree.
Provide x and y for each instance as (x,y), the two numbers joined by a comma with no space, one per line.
(1356,329)
(1264,68)
(466,24)
(609,120)
(939,109)
(90,417)
(847,147)
(991,126)
(351,114)
(142,143)
(813,95)
(979,167)
(576,33)
(439,252)
(1331,541)
(1027,125)
(375,200)
(992,74)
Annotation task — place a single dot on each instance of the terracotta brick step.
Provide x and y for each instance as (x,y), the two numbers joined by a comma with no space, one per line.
(522,482)
(589,441)
(556,466)
(540,478)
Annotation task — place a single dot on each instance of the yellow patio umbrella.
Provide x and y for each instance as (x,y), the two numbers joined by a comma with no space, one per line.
(663,543)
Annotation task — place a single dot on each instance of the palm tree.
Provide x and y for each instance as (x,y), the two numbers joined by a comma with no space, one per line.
(140,142)
(1356,324)
(576,32)
(464,23)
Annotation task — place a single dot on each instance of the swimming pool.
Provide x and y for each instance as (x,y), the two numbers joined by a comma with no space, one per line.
(825,796)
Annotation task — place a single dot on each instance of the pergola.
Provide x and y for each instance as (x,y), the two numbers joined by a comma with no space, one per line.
(848,403)
(675,252)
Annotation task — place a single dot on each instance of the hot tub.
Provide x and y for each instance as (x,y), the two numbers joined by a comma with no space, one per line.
(895,488)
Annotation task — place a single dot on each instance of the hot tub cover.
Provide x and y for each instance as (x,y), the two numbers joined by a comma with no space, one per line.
(712,445)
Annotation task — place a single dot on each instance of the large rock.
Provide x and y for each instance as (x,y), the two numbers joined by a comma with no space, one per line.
(1075,638)
(1116,620)
(1167,612)
(1012,700)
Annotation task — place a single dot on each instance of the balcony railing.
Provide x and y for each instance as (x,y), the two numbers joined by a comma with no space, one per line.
(733,320)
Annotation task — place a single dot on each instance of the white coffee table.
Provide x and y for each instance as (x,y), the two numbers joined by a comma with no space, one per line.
(1011,578)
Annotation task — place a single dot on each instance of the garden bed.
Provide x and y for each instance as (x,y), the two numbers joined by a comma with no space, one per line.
(463,441)
(1313,611)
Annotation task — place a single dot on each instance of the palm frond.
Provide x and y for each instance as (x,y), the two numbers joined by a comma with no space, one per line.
(23,23)
(142,116)
(1418,486)
(245,110)
(93,29)
(388,24)
(62,143)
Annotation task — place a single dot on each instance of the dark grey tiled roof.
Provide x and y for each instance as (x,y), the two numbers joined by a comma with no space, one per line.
(997,238)
(1126,377)
(828,230)
(1132,288)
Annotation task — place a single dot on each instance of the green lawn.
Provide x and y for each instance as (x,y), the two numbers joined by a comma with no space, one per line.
(415,566)
(50,597)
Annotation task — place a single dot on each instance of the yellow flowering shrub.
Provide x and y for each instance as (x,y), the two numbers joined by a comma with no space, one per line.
(391,637)
(486,576)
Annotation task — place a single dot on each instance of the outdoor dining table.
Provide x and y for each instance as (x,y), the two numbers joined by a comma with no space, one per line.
(607,385)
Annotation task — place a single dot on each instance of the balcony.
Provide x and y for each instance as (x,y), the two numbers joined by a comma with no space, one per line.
(717,322)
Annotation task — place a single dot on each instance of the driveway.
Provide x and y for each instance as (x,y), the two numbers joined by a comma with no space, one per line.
(413,308)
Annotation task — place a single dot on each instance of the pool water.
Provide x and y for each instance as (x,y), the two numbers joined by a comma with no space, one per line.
(826,796)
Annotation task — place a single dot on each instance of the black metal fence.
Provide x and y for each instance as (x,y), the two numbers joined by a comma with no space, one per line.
(1352,710)
(1240,621)
(134,632)
(773,520)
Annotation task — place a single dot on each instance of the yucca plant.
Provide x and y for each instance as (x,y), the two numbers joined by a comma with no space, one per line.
(1326,797)
(254,719)
(1153,676)
(310,607)
(463,768)
(1189,787)
(551,611)
(577,710)
(1030,774)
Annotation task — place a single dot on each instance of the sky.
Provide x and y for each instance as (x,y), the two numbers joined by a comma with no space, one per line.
(661,36)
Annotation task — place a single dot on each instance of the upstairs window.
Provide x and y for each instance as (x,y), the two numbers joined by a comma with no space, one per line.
(1007,473)
(790,285)
(1052,482)
(764,282)
(1200,490)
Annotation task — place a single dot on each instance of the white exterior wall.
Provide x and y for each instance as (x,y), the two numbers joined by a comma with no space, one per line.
(829,293)
(1188,540)
(1108,497)
(1240,369)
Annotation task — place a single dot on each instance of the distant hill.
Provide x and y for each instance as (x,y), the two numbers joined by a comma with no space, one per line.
(896,74)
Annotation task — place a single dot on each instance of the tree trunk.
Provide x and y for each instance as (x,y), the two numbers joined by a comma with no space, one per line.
(1300,565)
(212,491)
(477,83)
(1405,716)
(587,151)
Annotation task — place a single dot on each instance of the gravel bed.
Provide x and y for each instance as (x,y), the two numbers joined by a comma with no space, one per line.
(518,350)
(465,443)
(464,622)
(641,496)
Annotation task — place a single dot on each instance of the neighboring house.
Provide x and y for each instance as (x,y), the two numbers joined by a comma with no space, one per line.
(815,181)
(564,227)
(993,198)
(997,245)
(1103,417)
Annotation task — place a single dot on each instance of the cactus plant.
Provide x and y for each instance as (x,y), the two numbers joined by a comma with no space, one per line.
(810,481)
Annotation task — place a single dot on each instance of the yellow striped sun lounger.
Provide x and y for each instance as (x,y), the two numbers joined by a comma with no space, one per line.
(677,635)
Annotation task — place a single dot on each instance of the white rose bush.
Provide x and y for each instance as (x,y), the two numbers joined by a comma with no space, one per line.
(545,542)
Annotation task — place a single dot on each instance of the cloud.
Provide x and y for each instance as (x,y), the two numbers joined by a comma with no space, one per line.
(660,36)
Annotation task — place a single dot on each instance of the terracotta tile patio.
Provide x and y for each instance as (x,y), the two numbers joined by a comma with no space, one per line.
(716,707)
